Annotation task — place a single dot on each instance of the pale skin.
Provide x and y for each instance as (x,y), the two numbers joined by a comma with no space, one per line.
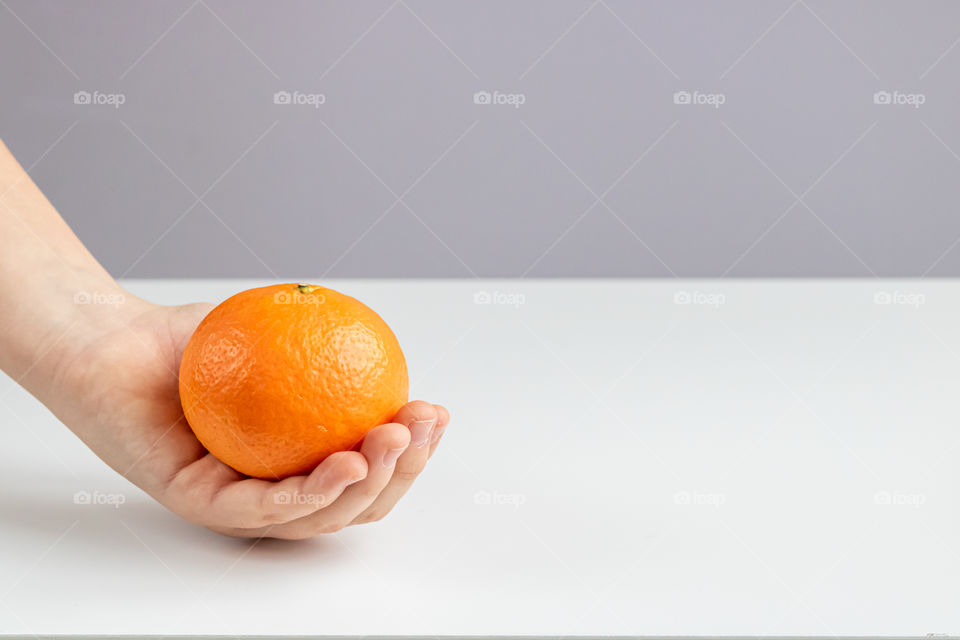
(109,373)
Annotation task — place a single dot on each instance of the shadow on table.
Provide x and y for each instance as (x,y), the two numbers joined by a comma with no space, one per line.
(99,520)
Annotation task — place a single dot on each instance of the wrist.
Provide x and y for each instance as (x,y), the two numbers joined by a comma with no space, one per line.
(60,323)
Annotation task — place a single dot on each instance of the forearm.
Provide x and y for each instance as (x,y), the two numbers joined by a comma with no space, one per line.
(47,280)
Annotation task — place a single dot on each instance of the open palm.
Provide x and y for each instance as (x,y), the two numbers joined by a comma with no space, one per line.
(121,399)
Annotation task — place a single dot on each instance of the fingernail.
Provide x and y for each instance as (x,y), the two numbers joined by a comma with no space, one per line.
(390,457)
(437,434)
(420,431)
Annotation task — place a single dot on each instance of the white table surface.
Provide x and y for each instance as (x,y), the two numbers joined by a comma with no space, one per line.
(778,459)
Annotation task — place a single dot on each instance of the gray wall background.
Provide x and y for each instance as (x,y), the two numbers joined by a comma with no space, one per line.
(399,173)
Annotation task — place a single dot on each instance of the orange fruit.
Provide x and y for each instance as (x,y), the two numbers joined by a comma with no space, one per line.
(277,378)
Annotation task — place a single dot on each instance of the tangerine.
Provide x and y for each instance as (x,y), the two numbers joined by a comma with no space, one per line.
(276,378)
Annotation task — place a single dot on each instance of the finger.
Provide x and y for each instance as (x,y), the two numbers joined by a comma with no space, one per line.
(443,419)
(381,447)
(435,439)
(421,418)
(443,416)
(213,494)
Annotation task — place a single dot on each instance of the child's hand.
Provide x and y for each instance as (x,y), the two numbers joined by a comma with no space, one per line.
(118,393)
(109,372)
